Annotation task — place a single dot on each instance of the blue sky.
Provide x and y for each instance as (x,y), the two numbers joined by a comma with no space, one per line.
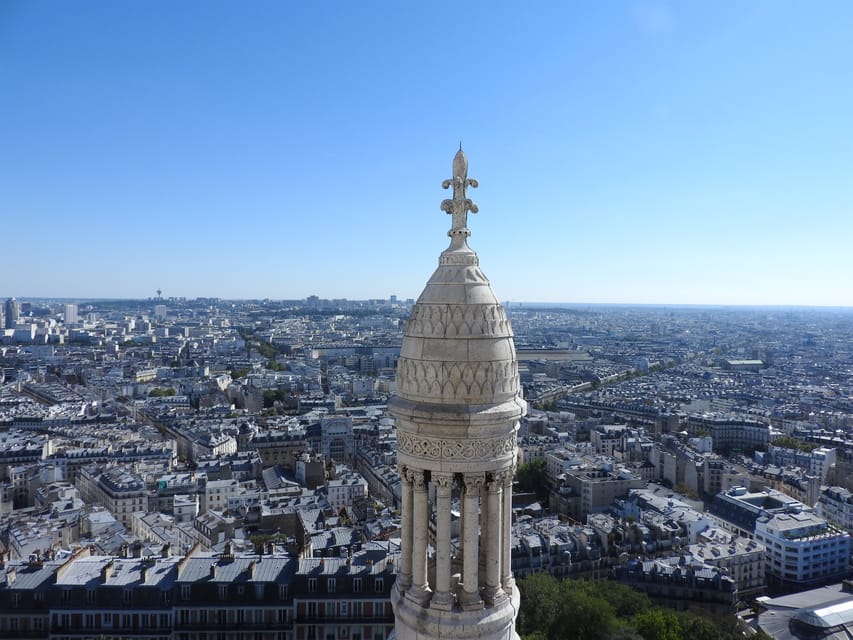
(630,152)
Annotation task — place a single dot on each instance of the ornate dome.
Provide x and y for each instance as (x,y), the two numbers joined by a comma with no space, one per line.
(457,345)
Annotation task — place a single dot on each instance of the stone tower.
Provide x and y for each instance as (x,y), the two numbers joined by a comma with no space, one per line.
(457,409)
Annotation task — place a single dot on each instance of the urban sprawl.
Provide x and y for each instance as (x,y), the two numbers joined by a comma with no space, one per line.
(205,468)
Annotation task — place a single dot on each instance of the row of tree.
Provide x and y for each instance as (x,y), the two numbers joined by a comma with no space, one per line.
(552,609)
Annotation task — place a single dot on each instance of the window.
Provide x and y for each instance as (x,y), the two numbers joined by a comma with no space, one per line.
(185,591)
(379,585)
(66,595)
(312,585)
(126,596)
(223,592)
(312,609)
(331,584)
(356,585)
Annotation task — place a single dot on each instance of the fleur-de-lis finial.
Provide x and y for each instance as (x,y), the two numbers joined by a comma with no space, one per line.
(459,205)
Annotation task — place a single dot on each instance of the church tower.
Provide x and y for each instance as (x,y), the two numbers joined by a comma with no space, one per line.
(457,409)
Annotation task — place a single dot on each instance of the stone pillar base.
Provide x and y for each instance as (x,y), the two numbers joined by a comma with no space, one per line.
(494,595)
(443,600)
(470,601)
(418,595)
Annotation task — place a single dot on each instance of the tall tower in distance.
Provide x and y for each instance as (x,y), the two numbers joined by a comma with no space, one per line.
(457,409)
(13,313)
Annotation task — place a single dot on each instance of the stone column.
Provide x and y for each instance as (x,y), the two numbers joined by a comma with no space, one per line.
(443,597)
(470,596)
(404,580)
(419,591)
(493,592)
(507,580)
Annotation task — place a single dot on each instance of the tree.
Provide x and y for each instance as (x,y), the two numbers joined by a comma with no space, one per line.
(699,628)
(540,595)
(657,624)
(531,477)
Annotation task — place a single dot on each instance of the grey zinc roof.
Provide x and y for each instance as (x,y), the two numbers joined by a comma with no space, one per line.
(265,568)
(27,577)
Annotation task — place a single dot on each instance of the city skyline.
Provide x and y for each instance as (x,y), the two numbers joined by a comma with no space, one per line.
(638,153)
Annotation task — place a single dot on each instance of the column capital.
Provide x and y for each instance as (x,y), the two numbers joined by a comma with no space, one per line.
(502,478)
(474,481)
(418,478)
(442,480)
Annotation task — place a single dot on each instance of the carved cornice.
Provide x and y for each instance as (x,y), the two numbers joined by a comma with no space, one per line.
(448,449)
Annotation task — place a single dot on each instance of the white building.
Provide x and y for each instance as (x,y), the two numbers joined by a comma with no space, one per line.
(802,548)
(835,504)
(345,490)
(743,559)
(217,493)
(70,314)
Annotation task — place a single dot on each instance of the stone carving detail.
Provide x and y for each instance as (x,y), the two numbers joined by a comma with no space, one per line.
(460,204)
(448,449)
(442,480)
(454,321)
(501,479)
(458,259)
(473,482)
(460,381)
(408,475)
(419,480)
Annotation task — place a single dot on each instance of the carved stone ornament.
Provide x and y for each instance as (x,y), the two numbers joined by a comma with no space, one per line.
(460,204)
(448,449)
(419,480)
(457,321)
(473,483)
(457,381)
(442,480)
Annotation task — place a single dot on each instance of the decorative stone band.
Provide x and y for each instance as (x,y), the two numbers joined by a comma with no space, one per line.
(458,321)
(450,449)
(457,382)
(458,258)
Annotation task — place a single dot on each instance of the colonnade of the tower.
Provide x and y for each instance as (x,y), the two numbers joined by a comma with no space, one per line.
(486,517)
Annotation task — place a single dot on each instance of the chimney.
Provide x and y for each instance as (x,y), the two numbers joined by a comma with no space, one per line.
(11,574)
(166,551)
(107,571)
(251,569)
(213,571)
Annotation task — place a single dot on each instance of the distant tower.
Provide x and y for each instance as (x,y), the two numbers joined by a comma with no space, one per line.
(70,314)
(457,411)
(159,294)
(13,312)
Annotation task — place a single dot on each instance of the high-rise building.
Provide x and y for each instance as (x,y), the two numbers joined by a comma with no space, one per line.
(457,410)
(70,314)
(13,312)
